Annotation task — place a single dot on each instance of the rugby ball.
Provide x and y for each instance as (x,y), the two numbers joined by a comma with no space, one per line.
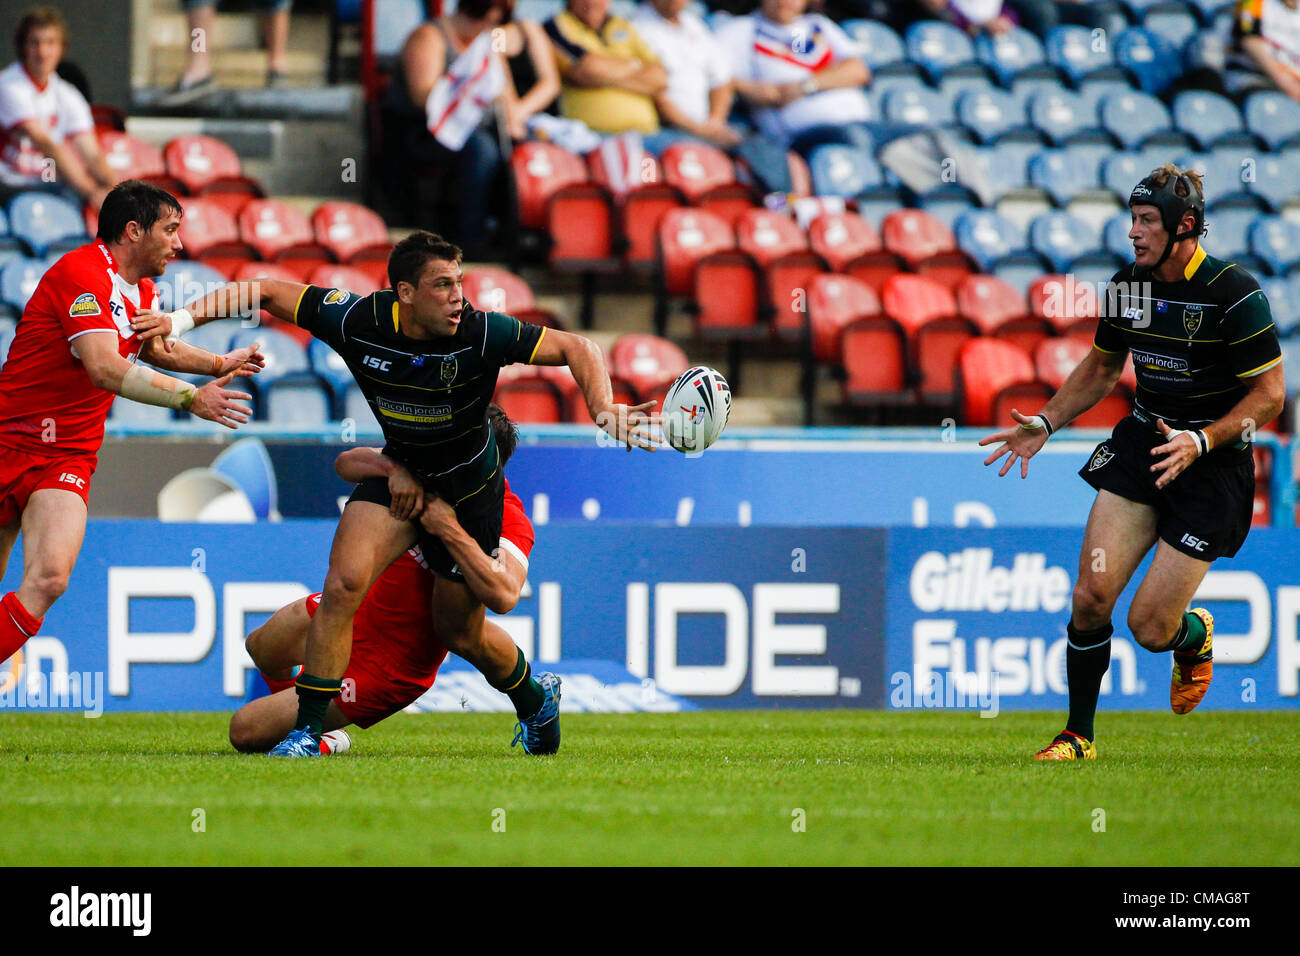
(696,409)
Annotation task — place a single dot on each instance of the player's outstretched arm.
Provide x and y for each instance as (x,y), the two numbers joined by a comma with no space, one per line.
(1090,382)
(232,301)
(184,357)
(358,464)
(494,581)
(629,424)
(109,371)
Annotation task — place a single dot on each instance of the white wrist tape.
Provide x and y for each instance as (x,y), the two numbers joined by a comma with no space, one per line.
(141,384)
(182,322)
(1199,439)
(1039,421)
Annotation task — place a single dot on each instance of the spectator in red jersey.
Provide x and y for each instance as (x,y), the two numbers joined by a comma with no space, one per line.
(47,134)
(79,343)
(396,652)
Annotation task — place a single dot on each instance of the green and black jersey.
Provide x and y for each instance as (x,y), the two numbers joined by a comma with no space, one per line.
(1193,341)
(430,396)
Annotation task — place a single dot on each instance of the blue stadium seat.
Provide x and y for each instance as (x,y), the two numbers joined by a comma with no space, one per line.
(1115,236)
(1020,274)
(1014,54)
(1094,154)
(18,280)
(882,48)
(1209,10)
(1096,273)
(1274,117)
(1173,25)
(46,223)
(1291,360)
(1210,119)
(7,329)
(1152,59)
(1206,51)
(1282,302)
(358,409)
(1276,241)
(992,114)
(839,170)
(394,21)
(140,415)
(1006,165)
(1093,93)
(186,280)
(1122,171)
(1135,119)
(1026,89)
(1062,174)
(1228,235)
(213,337)
(10,245)
(1064,116)
(954,85)
(297,403)
(880,87)
(1061,239)
(990,239)
(1275,180)
(247,463)
(918,105)
(1228,173)
(948,203)
(284,355)
(331,368)
(1072,50)
(939,48)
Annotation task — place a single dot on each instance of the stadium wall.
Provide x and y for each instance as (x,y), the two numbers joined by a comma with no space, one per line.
(773,617)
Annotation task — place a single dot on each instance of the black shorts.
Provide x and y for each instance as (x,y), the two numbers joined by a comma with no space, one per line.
(479,515)
(1205,512)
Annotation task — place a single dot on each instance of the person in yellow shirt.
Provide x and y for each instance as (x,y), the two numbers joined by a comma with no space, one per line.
(609,76)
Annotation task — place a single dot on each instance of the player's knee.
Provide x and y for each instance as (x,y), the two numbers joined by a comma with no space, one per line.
(243,734)
(344,589)
(50,582)
(1150,630)
(1092,605)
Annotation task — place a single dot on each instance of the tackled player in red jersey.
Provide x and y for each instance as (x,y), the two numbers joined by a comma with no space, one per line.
(396,652)
(78,345)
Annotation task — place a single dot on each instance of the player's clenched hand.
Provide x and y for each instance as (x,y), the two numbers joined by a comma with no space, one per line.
(407,492)
(1021,442)
(148,324)
(216,403)
(631,425)
(438,516)
(242,362)
(1180,450)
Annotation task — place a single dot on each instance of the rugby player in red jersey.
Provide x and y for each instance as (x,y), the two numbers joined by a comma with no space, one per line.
(78,345)
(395,649)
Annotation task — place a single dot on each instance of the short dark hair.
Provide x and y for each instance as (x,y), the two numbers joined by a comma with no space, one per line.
(506,431)
(410,256)
(133,201)
(479,9)
(38,18)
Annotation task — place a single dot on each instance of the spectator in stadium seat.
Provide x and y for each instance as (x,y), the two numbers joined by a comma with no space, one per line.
(973,16)
(202,18)
(532,80)
(427,54)
(1265,48)
(1041,16)
(700,93)
(44,120)
(800,75)
(610,76)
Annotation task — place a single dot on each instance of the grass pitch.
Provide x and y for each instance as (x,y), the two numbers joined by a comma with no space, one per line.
(874,788)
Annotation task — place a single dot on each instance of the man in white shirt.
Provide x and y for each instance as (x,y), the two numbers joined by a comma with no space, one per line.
(800,74)
(46,130)
(1266,48)
(700,93)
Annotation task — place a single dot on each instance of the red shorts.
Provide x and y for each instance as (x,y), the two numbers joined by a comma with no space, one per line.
(376,685)
(22,473)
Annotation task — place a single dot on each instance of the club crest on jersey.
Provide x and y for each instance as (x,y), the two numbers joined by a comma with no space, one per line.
(1191,319)
(1100,459)
(336,297)
(84,304)
(448,370)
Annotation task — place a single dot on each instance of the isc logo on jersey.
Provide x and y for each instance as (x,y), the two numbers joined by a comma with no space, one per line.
(83,305)
(336,297)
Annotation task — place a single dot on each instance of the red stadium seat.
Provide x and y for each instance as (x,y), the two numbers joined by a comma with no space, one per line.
(987,367)
(132,158)
(780,249)
(1068,306)
(927,312)
(526,395)
(843,237)
(108,117)
(580,223)
(1107,413)
(648,363)
(1024,397)
(684,237)
(836,302)
(875,362)
(540,170)
(728,296)
(1055,359)
(926,245)
(634,178)
(351,231)
(575,405)
(210,235)
(706,177)
(280,233)
(207,166)
(999,309)
(343,277)
(493,289)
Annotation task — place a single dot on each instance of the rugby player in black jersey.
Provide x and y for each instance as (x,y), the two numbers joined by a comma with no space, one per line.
(427,362)
(1178,472)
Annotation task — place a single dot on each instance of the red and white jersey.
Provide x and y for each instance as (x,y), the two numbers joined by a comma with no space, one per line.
(47,401)
(395,620)
(58,106)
